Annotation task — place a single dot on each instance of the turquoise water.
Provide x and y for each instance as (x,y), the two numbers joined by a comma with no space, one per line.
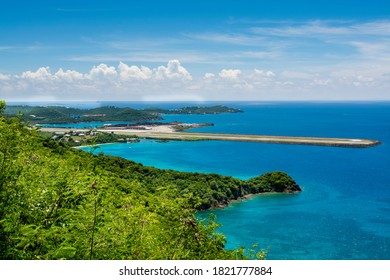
(81,124)
(343,211)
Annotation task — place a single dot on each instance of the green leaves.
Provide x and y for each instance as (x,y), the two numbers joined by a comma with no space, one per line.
(65,253)
(2,107)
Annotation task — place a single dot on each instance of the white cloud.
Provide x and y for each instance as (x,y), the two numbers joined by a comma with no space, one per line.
(102,81)
(235,39)
(134,72)
(262,78)
(4,77)
(69,75)
(322,42)
(359,78)
(174,81)
(378,50)
(173,70)
(321,82)
(264,73)
(379,28)
(209,76)
(102,71)
(230,74)
(325,28)
(43,73)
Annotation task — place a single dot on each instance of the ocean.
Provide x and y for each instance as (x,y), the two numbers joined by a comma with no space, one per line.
(343,210)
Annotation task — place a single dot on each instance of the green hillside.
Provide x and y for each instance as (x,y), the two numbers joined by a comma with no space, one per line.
(61,203)
(59,114)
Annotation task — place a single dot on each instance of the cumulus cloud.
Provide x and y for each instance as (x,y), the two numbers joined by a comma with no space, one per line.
(69,75)
(209,76)
(172,70)
(134,72)
(42,73)
(102,71)
(230,74)
(173,80)
(100,80)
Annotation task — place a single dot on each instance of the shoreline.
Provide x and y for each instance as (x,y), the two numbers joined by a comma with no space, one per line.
(167,132)
(96,145)
(248,197)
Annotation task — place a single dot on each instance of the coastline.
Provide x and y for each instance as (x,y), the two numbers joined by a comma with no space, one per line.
(349,170)
(167,132)
(100,144)
(249,197)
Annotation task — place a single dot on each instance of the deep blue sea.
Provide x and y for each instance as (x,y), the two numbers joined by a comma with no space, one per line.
(344,209)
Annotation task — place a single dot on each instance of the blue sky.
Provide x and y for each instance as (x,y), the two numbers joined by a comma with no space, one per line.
(195,50)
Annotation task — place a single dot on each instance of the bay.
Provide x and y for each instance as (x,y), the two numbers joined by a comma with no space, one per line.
(343,210)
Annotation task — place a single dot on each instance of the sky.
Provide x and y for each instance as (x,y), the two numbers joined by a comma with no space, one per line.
(65,50)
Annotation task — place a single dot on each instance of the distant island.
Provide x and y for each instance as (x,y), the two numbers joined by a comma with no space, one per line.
(61,115)
(195,110)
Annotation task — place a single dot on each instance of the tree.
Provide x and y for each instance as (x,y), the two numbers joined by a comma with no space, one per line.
(2,106)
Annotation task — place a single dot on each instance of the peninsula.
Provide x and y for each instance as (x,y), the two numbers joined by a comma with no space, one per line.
(167,132)
(138,123)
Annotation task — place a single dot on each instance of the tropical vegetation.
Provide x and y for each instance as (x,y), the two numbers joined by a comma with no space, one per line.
(57,202)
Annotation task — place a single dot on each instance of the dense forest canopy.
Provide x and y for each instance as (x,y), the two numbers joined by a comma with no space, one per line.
(57,202)
(60,114)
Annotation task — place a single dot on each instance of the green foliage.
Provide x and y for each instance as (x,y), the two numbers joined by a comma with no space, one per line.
(2,107)
(209,190)
(276,181)
(59,114)
(62,203)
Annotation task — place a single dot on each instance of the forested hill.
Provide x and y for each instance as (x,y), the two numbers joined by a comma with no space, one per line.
(195,110)
(61,203)
(60,114)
